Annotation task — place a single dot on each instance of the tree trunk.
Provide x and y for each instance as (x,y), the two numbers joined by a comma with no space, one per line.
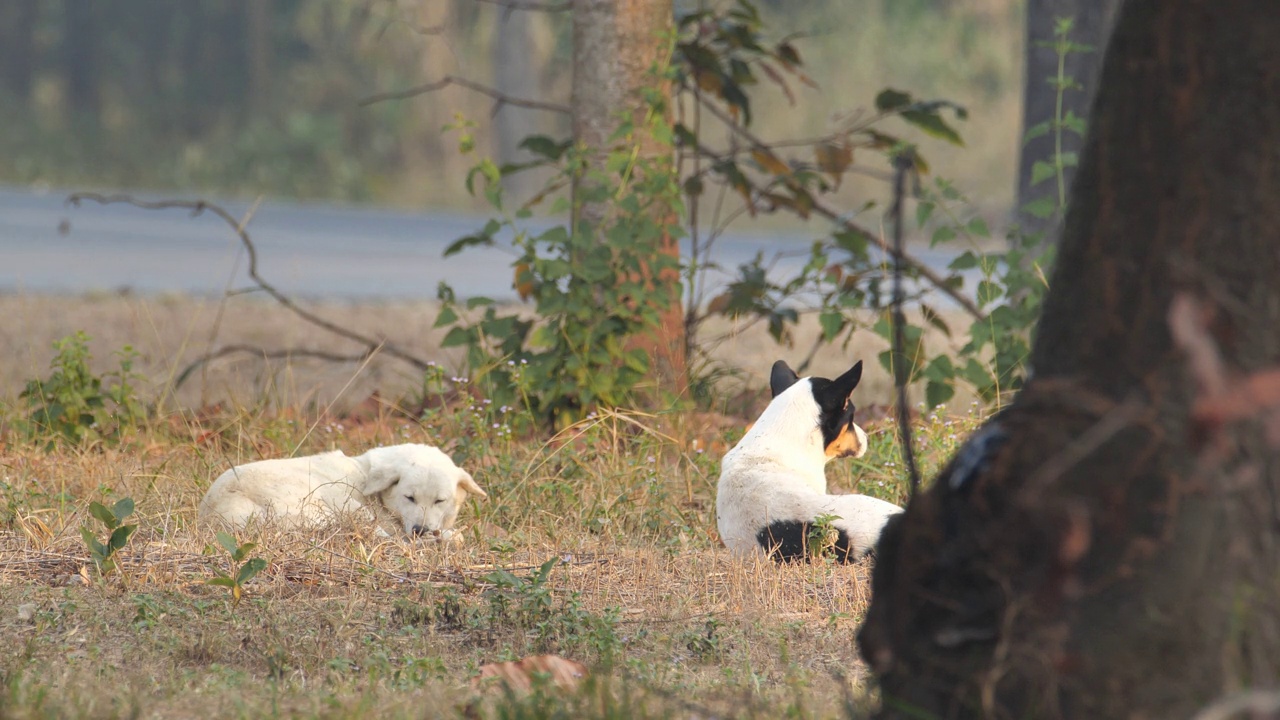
(1092,23)
(514,74)
(258,31)
(80,58)
(615,43)
(18,18)
(1098,549)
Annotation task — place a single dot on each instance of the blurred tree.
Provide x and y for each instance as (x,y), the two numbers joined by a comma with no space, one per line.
(1092,21)
(17,40)
(1107,545)
(516,74)
(81,58)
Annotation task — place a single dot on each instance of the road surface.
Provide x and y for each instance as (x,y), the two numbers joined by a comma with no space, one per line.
(307,250)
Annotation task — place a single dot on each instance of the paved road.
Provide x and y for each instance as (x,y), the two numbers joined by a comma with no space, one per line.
(310,250)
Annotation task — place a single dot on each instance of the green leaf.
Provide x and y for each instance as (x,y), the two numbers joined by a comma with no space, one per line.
(931,123)
(1038,130)
(1041,171)
(889,100)
(1041,208)
(120,537)
(938,392)
(945,233)
(978,228)
(447,316)
(924,211)
(462,243)
(101,512)
(123,509)
(545,146)
(227,541)
(96,549)
(478,301)
(249,569)
(832,323)
(222,581)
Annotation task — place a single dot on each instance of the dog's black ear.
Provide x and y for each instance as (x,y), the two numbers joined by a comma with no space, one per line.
(783,377)
(834,394)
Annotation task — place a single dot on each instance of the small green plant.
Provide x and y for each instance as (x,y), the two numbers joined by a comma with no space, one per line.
(822,535)
(242,570)
(103,554)
(73,404)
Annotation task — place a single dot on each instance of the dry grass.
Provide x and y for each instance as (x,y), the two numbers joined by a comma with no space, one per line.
(172,330)
(345,624)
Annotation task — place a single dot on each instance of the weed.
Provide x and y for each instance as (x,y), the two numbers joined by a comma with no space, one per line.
(103,554)
(242,569)
(73,404)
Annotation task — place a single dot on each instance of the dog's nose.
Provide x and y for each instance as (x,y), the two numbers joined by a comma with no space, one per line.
(418,530)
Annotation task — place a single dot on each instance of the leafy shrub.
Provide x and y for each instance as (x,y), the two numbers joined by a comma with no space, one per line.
(74,405)
(593,287)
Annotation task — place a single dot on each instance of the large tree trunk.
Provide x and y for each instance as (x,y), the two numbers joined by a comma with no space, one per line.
(615,43)
(1115,556)
(1092,23)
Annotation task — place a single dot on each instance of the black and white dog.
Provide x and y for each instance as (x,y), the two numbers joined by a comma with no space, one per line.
(773,484)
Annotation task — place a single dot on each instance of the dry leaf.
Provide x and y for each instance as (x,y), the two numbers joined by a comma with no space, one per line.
(518,675)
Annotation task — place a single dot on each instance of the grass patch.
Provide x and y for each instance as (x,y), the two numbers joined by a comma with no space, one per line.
(599,546)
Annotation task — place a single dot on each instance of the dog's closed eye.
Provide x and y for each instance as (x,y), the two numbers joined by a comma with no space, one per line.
(440,500)
(409,498)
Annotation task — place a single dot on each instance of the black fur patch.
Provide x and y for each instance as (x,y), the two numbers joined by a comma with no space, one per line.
(832,396)
(788,541)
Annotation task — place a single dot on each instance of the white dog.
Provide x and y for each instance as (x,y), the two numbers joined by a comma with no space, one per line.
(418,484)
(773,484)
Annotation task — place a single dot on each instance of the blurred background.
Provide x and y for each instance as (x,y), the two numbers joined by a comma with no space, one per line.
(247,97)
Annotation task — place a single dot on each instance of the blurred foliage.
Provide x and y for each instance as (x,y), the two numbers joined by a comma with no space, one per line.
(262,96)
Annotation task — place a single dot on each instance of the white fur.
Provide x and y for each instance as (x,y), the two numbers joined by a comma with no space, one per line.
(313,489)
(777,473)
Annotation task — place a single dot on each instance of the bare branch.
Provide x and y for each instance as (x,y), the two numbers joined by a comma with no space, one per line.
(197,207)
(265,355)
(500,98)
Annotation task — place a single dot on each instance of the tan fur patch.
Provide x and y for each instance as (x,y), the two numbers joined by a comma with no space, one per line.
(847,443)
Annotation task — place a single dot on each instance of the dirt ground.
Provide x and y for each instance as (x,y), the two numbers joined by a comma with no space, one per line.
(170,331)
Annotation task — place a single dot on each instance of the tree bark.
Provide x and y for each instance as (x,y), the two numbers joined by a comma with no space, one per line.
(615,43)
(1092,24)
(1098,549)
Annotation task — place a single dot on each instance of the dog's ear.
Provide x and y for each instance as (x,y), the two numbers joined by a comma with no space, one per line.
(466,482)
(380,477)
(782,377)
(834,394)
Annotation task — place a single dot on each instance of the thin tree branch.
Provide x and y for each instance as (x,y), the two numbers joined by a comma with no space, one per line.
(902,164)
(265,355)
(197,207)
(825,211)
(500,98)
